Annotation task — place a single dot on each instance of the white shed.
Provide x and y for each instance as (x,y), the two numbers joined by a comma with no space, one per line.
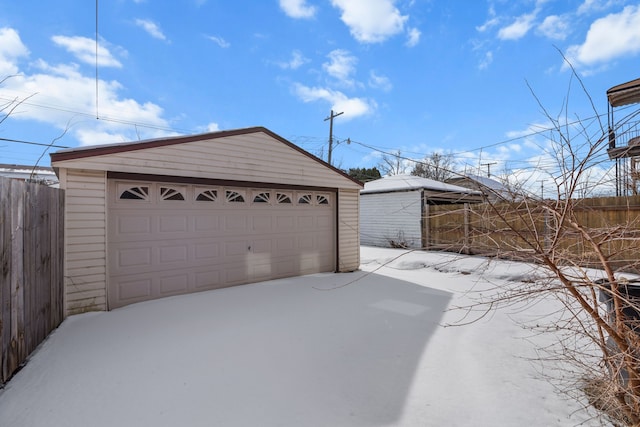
(169,216)
(393,208)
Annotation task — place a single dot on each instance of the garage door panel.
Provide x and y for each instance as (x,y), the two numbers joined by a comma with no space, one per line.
(305,243)
(174,284)
(305,222)
(323,240)
(235,275)
(262,246)
(208,278)
(134,289)
(172,224)
(133,224)
(261,267)
(167,247)
(285,222)
(206,223)
(261,224)
(134,257)
(285,245)
(285,268)
(235,224)
(176,253)
(324,223)
(236,248)
(209,251)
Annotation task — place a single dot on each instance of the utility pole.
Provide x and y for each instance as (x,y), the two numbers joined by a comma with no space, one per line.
(488,165)
(330,118)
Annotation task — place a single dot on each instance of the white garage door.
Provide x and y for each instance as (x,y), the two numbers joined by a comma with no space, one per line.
(167,239)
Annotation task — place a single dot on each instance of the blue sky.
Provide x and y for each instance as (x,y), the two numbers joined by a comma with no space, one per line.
(419,76)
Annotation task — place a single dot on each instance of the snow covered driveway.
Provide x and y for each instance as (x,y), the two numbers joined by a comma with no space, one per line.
(355,349)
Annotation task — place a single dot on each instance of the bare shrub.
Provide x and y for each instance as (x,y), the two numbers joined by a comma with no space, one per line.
(586,268)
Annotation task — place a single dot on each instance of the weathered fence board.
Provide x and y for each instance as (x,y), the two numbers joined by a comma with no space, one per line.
(509,229)
(31,260)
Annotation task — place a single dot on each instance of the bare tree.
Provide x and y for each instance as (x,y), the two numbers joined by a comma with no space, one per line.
(8,107)
(585,267)
(436,166)
(392,164)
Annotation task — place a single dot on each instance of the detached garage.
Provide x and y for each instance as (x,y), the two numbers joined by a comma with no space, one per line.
(169,216)
(393,209)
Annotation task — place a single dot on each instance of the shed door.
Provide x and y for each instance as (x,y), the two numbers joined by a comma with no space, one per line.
(168,239)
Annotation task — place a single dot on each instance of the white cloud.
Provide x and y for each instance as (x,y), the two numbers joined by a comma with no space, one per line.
(341,66)
(487,59)
(351,107)
(555,27)
(213,127)
(298,9)
(63,97)
(297,60)
(413,37)
(377,81)
(489,23)
(151,28)
(11,49)
(518,29)
(608,38)
(371,21)
(595,5)
(84,49)
(219,41)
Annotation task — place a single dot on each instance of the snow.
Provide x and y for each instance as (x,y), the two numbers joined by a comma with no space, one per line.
(368,348)
(403,182)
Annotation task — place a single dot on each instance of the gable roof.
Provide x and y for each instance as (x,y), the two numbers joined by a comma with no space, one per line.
(116,148)
(393,183)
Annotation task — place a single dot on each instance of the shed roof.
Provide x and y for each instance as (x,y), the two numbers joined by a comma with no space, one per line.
(480,180)
(403,182)
(625,93)
(26,172)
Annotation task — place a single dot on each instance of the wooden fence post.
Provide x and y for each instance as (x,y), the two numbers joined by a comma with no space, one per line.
(466,248)
(426,225)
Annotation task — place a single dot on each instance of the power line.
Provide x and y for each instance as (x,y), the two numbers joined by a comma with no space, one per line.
(33,143)
(368,146)
(102,118)
(97,80)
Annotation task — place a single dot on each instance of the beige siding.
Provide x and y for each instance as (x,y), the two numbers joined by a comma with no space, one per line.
(348,230)
(85,252)
(251,157)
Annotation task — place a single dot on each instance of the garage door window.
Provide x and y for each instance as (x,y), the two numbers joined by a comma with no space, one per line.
(234,197)
(168,193)
(263,197)
(283,198)
(207,196)
(322,199)
(304,199)
(135,193)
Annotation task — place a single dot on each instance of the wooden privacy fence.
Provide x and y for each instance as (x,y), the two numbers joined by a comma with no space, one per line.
(31,275)
(519,230)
